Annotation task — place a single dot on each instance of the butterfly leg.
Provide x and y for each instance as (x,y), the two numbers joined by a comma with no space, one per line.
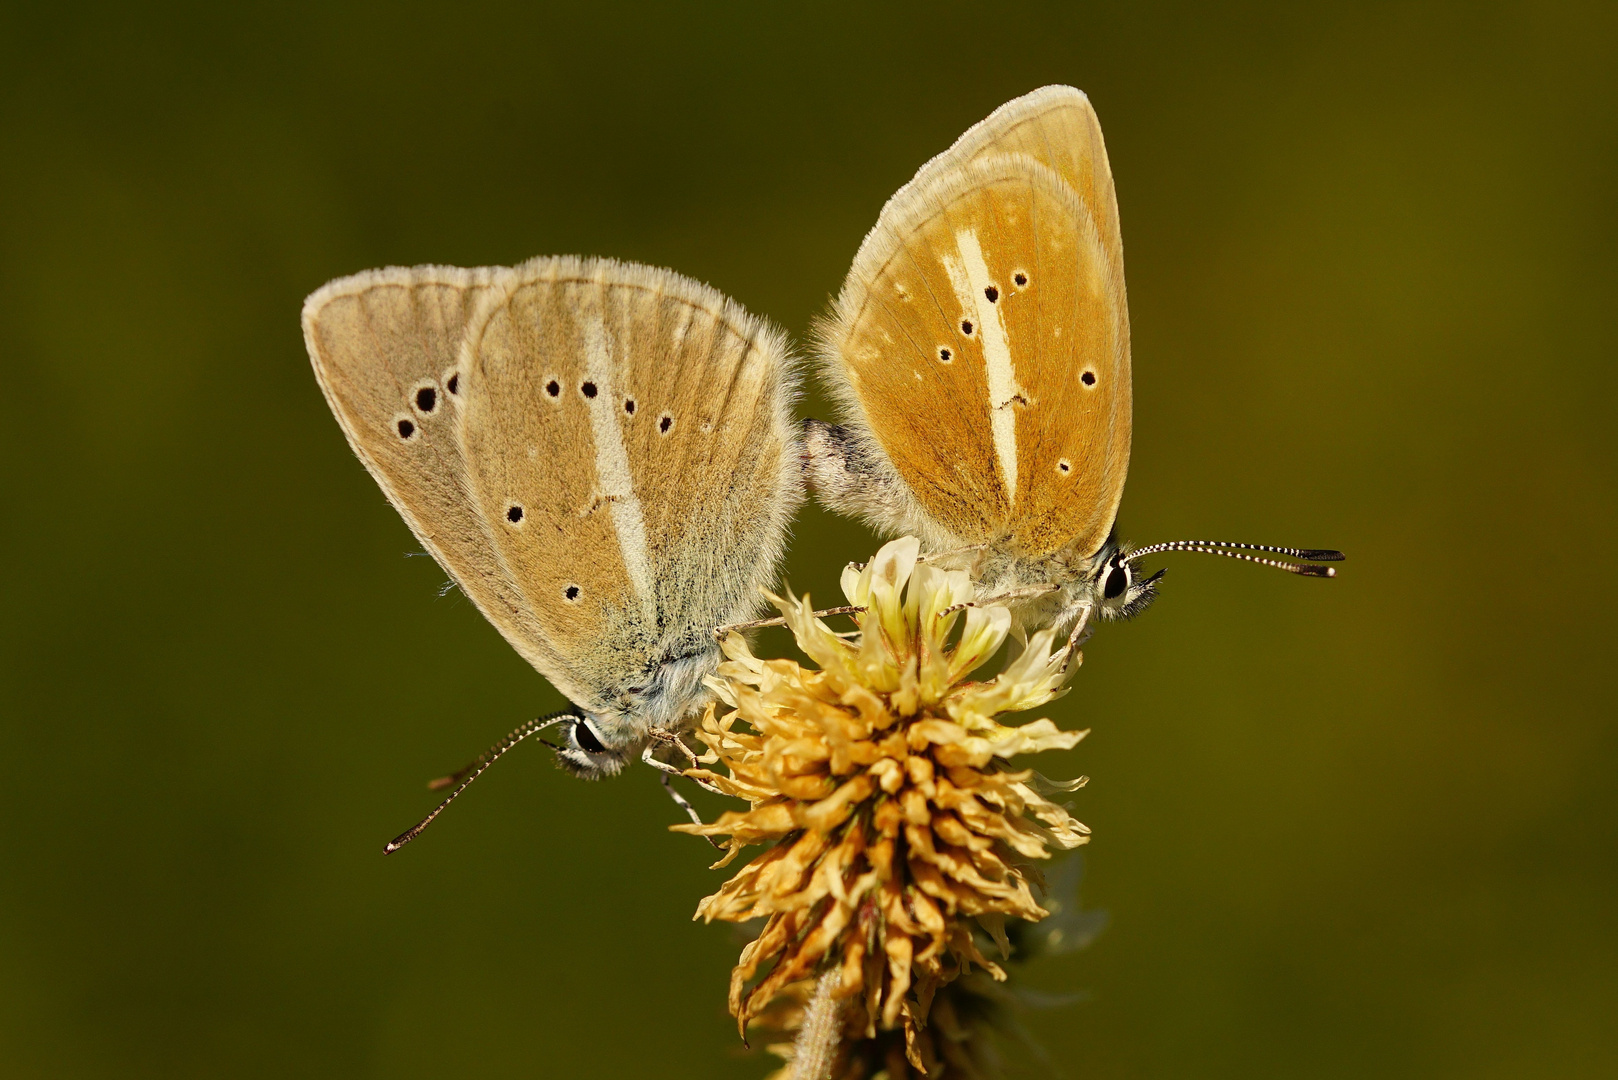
(977,551)
(649,757)
(690,811)
(939,556)
(1010,595)
(721,631)
(667,738)
(1080,634)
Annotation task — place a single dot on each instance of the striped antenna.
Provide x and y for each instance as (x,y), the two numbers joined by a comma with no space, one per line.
(463,779)
(1234,550)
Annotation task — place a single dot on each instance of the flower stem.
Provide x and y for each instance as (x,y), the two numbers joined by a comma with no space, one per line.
(815,1051)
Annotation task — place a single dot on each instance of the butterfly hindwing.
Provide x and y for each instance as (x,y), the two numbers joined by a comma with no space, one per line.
(1057,127)
(639,422)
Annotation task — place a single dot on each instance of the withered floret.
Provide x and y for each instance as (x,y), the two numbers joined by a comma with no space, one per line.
(900,838)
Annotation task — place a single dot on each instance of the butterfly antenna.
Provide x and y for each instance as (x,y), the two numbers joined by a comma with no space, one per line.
(463,779)
(1233,550)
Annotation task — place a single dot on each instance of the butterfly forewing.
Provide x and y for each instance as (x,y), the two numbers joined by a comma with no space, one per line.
(972,317)
(1056,126)
(712,433)
(627,434)
(384,344)
(1069,341)
(531,467)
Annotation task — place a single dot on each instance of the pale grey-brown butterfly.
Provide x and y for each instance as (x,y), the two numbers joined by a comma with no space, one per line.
(601,455)
(980,352)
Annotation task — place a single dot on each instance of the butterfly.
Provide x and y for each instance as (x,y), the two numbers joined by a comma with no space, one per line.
(601,455)
(979,353)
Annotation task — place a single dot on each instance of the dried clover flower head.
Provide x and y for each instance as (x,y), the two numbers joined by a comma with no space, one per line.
(899,837)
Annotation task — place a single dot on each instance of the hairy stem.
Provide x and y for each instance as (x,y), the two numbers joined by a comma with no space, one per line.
(815,1051)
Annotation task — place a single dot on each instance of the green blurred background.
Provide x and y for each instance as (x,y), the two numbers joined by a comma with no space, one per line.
(1364,827)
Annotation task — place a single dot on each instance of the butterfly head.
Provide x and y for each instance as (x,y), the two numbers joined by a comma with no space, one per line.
(584,751)
(1121,593)
(599,743)
(1119,590)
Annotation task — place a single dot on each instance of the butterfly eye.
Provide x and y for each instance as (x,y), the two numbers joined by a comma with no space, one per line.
(1117,582)
(586,738)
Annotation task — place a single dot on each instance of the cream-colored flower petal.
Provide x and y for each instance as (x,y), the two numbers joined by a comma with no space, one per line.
(1032,738)
(985,632)
(850,582)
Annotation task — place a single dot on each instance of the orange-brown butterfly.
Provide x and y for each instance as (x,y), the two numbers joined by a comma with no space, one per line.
(602,456)
(980,352)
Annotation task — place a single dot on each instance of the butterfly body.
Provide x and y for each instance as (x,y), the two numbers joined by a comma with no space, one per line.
(599,454)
